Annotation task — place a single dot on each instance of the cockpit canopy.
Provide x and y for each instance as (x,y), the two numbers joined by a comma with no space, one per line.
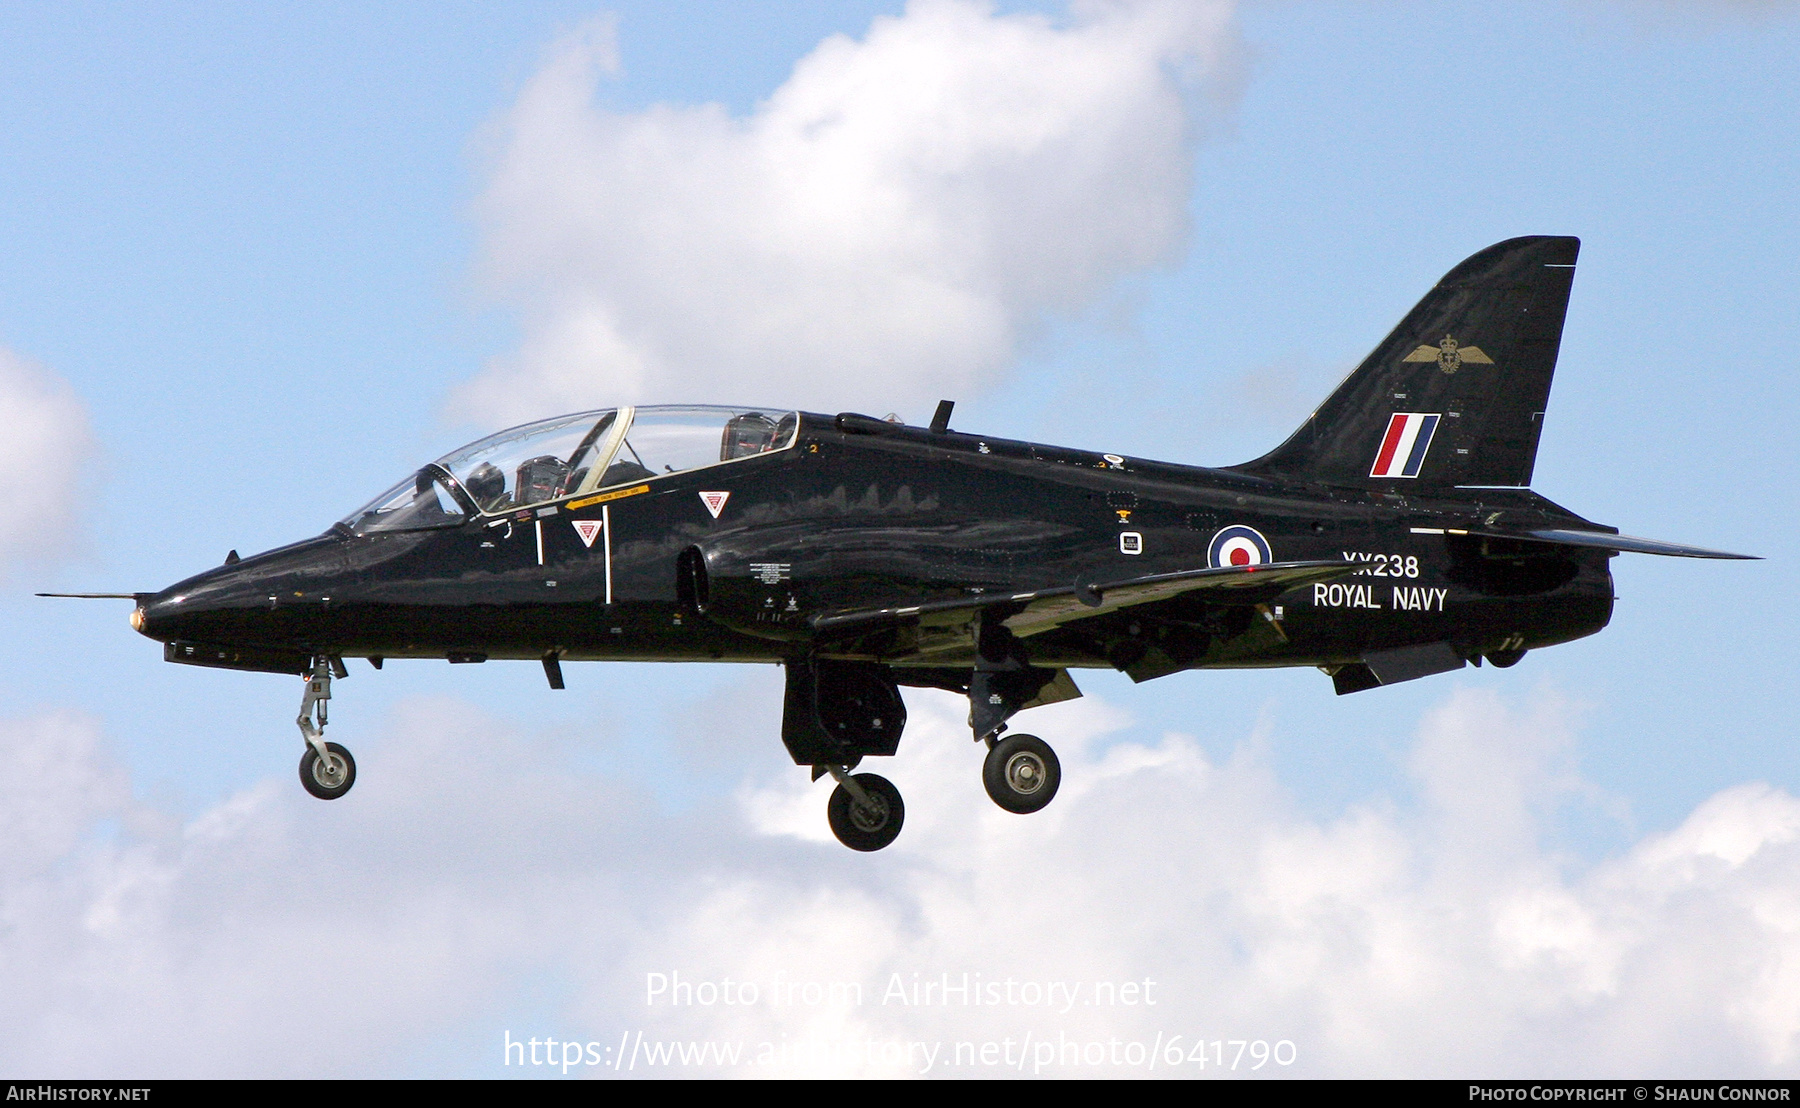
(570,456)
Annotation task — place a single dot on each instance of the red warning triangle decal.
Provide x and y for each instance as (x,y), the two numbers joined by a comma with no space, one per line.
(715,502)
(587,529)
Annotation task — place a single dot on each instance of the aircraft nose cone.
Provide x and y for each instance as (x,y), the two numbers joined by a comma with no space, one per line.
(159,617)
(201,608)
(268,598)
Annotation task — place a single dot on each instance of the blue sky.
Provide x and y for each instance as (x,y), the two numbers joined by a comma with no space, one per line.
(272,253)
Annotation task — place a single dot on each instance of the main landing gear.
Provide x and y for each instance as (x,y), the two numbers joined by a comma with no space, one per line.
(1021,773)
(836,713)
(865,811)
(326,769)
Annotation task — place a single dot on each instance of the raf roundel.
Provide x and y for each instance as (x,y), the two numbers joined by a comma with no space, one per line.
(1238,545)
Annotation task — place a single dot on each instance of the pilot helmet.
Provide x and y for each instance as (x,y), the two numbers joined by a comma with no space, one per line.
(486,483)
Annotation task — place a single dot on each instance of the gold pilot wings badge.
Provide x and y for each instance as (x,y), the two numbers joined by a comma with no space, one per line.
(1449,356)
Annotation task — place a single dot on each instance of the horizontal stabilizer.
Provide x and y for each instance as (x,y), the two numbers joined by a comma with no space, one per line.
(1601,540)
(97,595)
(1028,613)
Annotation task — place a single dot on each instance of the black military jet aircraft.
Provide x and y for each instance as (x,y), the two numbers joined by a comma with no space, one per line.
(1391,537)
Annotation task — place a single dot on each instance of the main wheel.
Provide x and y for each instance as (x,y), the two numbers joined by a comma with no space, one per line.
(330,777)
(1021,773)
(866,826)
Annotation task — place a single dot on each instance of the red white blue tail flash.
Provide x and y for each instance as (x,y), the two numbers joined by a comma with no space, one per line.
(1403,447)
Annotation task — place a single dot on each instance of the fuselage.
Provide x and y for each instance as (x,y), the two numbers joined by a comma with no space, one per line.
(857,513)
(1392,536)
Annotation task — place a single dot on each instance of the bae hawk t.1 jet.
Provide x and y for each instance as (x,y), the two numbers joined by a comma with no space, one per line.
(1391,537)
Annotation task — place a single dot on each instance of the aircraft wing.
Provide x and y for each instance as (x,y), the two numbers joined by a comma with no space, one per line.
(1600,540)
(1029,613)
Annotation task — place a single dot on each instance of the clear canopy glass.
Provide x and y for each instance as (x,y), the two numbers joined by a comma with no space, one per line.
(421,501)
(574,455)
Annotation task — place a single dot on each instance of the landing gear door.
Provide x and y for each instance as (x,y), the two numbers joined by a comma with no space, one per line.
(838,712)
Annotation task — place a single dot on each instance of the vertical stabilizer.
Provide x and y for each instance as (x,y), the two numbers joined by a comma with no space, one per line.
(1456,394)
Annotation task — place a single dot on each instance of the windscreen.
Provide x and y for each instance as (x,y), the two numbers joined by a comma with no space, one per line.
(421,501)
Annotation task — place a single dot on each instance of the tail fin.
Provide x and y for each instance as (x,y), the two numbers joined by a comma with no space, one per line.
(1456,394)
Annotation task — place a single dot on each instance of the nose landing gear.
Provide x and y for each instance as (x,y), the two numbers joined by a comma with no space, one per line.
(326,769)
(329,776)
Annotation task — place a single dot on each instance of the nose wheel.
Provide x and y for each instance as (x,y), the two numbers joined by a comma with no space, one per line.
(1021,773)
(865,811)
(326,769)
(330,776)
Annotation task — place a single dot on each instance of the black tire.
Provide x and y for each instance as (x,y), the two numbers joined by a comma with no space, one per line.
(327,782)
(1021,773)
(856,826)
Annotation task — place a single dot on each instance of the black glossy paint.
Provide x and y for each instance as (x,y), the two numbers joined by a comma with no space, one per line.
(881,515)
(869,553)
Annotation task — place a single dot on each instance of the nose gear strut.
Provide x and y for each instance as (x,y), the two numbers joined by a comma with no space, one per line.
(326,769)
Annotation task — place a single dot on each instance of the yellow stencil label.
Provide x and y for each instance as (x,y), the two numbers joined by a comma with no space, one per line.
(616,494)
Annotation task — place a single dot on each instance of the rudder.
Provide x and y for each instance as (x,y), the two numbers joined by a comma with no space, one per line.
(1455,395)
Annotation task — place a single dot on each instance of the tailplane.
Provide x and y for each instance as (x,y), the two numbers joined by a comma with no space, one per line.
(1456,394)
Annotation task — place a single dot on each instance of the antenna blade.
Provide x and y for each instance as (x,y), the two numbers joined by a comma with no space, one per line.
(940,422)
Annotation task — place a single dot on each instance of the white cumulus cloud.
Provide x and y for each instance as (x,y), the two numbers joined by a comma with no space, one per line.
(882,230)
(411,926)
(46,446)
